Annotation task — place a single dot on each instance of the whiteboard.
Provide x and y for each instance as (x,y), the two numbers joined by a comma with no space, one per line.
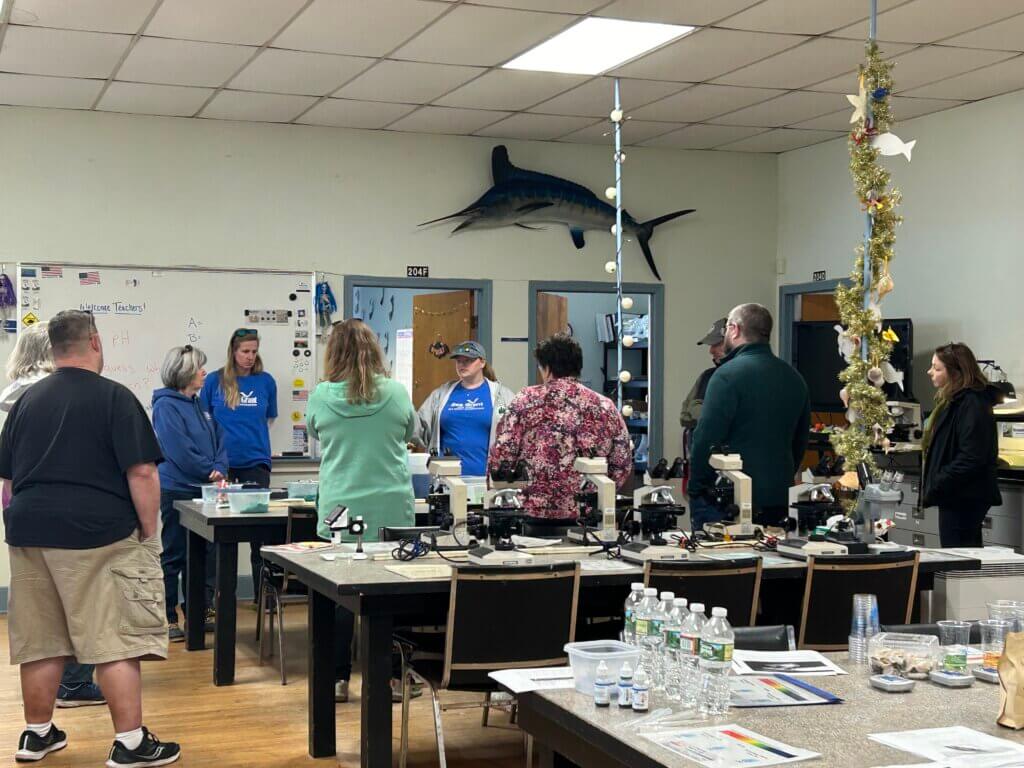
(142,312)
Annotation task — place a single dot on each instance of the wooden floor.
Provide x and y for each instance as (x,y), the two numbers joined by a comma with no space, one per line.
(255,722)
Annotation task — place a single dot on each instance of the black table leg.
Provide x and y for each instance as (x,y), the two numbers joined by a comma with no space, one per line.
(375,661)
(195,592)
(550,759)
(321,675)
(226,606)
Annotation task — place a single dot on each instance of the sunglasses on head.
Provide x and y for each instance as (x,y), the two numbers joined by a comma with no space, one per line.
(243,332)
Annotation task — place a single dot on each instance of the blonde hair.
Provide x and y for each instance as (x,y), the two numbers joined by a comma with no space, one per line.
(32,353)
(354,356)
(489,373)
(229,374)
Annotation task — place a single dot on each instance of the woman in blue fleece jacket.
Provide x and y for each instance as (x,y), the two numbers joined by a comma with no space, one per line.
(194,453)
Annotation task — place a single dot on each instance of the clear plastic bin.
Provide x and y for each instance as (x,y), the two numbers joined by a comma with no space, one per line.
(249,502)
(584,658)
(906,655)
(303,489)
(212,491)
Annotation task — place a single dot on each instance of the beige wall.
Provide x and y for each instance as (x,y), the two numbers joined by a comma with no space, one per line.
(109,189)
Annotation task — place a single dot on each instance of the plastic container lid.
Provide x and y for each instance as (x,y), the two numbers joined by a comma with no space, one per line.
(697,608)
(637,586)
(719,611)
(668,597)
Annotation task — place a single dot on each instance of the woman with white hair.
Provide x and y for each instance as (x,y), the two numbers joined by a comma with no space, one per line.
(194,453)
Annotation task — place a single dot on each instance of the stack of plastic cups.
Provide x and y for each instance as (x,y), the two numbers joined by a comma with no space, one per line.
(954,637)
(863,626)
(1008,610)
(993,637)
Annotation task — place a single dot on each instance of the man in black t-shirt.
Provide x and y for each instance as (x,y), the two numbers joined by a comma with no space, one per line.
(79,454)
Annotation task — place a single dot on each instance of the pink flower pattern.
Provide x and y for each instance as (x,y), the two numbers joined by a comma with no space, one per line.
(548,426)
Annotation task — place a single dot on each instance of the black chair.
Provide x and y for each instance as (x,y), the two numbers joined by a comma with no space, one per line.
(277,587)
(930,629)
(833,581)
(732,584)
(489,607)
(777,637)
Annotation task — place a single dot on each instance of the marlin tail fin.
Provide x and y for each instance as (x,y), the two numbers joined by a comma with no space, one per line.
(645,231)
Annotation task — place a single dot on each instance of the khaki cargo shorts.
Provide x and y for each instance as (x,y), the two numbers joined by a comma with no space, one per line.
(98,605)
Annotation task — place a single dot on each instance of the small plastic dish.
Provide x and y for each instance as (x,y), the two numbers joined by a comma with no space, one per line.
(249,502)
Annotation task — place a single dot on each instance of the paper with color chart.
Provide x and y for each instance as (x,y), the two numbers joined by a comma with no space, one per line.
(776,691)
(1004,760)
(803,663)
(728,746)
(956,742)
(543,679)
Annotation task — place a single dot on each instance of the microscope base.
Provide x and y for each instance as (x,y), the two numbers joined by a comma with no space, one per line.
(577,536)
(641,552)
(445,542)
(740,532)
(799,549)
(490,556)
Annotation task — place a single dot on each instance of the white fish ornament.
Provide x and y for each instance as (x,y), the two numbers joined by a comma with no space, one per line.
(890,144)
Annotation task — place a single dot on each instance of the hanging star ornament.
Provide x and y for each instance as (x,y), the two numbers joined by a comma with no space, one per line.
(859,102)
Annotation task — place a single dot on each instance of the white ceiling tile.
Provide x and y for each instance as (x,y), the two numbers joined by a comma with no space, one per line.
(37,51)
(36,91)
(925,21)
(1003,77)
(836,121)
(1007,35)
(358,27)
(556,6)
(693,12)
(407,81)
(707,53)
(847,81)
(804,17)
(246,22)
(484,36)
(346,113)
(702,102)
(780,140)
(785,110)
(510,89)
(800,66)
(595,97)
(702,136)
(537,127)
(904,108)
(125,16)
(182,62)
(633,132)
(446,120)
(931,63)
(299,72)
(257,107)
(149,99)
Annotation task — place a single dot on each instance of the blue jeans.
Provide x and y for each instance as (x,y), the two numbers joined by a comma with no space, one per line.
(76,674)
(703,511)
(175,541)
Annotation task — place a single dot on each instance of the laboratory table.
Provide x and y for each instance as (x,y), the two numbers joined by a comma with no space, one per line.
(378,595)
(569,730)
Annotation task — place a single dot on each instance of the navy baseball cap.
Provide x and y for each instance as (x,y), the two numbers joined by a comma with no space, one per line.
(471,349)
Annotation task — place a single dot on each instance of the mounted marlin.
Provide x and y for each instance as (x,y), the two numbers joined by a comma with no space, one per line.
(525,198)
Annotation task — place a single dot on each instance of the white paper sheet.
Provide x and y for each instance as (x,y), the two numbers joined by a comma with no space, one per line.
(604,564)
(728,746)
(543,679)
(956,742)
(799,663)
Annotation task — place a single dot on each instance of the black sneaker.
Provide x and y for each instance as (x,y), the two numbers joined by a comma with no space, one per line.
(151,751)
(175,633)
(32,747)
(79,695)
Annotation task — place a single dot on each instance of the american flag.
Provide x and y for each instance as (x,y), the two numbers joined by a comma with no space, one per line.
(89,278)
(50,271)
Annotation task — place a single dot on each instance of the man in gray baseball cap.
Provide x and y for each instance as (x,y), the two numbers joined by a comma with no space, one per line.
(714,340)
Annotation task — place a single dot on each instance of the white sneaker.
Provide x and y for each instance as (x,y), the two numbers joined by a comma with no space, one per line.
(341,691)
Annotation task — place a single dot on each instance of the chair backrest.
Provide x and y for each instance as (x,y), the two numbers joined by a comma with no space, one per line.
(776,637)
(733,584)
(833,581)
(301,526)
(400,532)
(930,629)
(505,618)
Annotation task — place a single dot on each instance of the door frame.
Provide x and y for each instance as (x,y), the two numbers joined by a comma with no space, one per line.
(787,310)
(657,358)
(484,289)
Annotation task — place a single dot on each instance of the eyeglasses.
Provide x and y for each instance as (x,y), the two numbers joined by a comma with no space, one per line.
(243,332)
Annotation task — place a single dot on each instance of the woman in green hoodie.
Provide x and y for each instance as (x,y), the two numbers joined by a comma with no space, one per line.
(363,420)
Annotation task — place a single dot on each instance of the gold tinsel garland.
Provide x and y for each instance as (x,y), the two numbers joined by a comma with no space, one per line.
(869,417)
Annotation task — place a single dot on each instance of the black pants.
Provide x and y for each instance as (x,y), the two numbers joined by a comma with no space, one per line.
(173,558)
(344,626)
(960,526)
(259,476)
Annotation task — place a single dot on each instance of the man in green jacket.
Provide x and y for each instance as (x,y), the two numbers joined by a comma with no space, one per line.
(758,406)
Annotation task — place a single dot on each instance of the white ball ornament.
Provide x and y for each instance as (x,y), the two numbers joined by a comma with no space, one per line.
(609,267)
(628,341)
(613,229)
(625,377)
(616,115)
(627,302)
(627,411)
(610,193)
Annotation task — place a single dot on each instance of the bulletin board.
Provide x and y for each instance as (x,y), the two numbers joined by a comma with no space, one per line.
(142,312)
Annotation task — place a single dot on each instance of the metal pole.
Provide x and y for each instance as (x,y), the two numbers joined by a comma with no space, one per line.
(868,219)
(618,241)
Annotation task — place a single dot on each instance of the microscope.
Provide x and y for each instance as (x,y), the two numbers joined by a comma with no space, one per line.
(659,513)
(596,502)
(907,427)
(337,521)
(733,493)
(502,517)
(447,503)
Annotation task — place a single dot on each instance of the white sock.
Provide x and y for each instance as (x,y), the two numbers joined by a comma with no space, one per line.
(130,739)
(40,729)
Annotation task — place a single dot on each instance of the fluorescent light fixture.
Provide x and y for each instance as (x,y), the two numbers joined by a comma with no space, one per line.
(596,45)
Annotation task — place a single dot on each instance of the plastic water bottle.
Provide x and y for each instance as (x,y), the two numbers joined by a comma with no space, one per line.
(602,686)
(651,653)
(689,654)
(670,648)
(644,615)
(629,611)
(658,668)
(716,644)
(626,685)
(641,690)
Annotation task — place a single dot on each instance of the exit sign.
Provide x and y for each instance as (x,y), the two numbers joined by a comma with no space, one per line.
(819,276)
(412,271)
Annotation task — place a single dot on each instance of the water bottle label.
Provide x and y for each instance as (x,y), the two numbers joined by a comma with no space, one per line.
(672,640)
(689,644)
(630,623)
(710,651)
(643,627)
(629,614)
(655,627)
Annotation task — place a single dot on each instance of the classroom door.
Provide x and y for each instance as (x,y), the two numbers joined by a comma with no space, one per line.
(439,321)
(552,315)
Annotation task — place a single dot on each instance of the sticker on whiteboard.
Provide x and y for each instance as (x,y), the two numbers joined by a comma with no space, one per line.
(300,395)
(299,383)
(29,319)
(131,282)
(52,271)
(28,272)
(296,415)
(92,277)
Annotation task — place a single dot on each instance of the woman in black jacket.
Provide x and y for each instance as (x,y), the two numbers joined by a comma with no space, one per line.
(960,446)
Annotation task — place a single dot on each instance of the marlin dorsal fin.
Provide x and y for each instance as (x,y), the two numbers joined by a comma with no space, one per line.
(501,166)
